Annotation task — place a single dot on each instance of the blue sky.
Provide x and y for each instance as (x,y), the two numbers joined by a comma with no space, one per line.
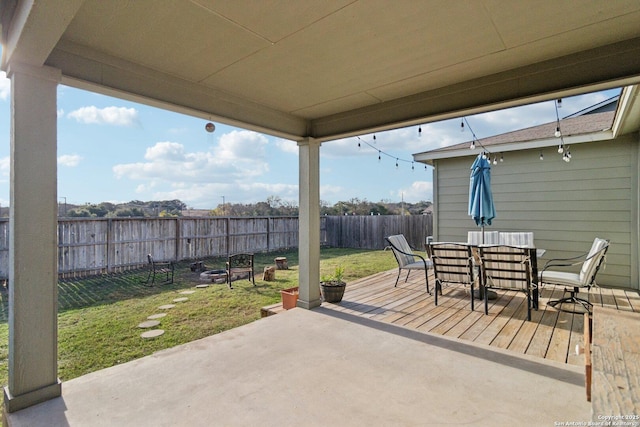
(117,151)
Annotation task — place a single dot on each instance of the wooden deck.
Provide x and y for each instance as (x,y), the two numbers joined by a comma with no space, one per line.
(550,334)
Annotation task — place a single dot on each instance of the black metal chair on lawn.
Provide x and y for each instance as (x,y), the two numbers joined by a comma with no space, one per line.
(240,264)
(160,267)
(585,279)
(407,259)
(509,268)
(452,263)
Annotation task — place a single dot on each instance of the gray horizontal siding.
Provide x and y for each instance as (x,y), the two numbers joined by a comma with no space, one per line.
(566,205)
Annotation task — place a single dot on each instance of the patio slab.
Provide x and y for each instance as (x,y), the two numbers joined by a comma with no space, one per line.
(318,368)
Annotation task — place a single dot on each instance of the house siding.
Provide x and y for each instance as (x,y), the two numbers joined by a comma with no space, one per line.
(566,205)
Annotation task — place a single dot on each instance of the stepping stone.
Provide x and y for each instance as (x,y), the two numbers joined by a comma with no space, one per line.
(188,292)
(156,316)
(183,299)
(202,286)
(166,306)
(149,324)
(152,333)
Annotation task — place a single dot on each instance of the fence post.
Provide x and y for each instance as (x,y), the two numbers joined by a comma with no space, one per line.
(178,234)
(109,245)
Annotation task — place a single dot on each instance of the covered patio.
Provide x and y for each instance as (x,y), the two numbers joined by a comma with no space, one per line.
(384,355)
(321,367)
(309,72)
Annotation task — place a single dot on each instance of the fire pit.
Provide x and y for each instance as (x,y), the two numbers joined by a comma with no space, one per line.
(214,276)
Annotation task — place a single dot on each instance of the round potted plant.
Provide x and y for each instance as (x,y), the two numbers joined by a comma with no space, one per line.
(332,286)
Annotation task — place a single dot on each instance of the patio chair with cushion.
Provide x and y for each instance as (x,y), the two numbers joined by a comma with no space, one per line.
(522,239)
(584,279)
(509,268)
(407,259)
(483,237)
(240,264)
(452,263)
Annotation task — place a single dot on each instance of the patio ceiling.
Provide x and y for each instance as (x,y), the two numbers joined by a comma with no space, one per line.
(328,69)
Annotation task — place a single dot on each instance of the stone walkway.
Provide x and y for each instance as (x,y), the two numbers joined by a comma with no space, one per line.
(152,320)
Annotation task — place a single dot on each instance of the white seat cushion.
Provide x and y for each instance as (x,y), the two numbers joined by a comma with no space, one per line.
(561,278)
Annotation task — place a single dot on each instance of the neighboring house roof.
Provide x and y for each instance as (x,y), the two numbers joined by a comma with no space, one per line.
(591,126)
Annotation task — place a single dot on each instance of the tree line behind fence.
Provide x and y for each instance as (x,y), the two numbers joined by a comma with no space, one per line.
(111,245)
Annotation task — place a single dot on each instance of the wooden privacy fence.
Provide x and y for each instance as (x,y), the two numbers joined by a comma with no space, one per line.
(109,245)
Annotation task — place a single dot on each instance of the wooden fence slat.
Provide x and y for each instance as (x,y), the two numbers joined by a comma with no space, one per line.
(88,246)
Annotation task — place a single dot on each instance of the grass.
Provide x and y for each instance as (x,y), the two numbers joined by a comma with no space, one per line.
(98,316)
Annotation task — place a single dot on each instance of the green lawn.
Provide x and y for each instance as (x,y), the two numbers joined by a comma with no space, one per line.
(98,316)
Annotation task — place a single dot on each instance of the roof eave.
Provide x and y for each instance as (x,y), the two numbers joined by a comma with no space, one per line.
(429,157)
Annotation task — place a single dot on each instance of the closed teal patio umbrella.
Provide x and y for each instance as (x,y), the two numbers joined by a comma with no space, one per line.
(481,207)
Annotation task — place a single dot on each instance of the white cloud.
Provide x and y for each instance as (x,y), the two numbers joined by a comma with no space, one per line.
(287,146)
(116,116)
(241,144)
(5,86)
(210,195)
(69,160)
(5,166)
(419,191)
(230,168)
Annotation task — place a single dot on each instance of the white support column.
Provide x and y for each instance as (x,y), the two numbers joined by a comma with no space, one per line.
(309,228)
(33,247)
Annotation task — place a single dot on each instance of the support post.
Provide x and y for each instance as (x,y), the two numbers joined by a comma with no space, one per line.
(33,247)
(309,217)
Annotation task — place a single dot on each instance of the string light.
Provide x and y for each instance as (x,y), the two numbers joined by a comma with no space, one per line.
(566,156)
(485,153)
(541,156)
(382,153)
(501,158)
(462,125)
(419,131)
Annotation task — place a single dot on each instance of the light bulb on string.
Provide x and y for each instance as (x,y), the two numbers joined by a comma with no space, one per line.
(462,126)
(379,157)
(473,145)
(412,168)
(419,131)
(396,163)
(374,138)
(541,156)
(560,148)
(495,160)
(559,101)
(558,134)
(501,157)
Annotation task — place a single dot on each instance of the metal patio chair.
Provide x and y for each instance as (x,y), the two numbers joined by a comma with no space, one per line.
(452,263)
(584,279)
(240,263)
(509,268)
(407,259)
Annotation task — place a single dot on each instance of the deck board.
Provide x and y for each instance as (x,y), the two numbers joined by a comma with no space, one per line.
(550,334)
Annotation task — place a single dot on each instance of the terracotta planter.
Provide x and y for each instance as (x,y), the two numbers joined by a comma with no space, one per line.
(332,292)
(289,298)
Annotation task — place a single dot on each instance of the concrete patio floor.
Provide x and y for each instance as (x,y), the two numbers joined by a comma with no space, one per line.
(319,368)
